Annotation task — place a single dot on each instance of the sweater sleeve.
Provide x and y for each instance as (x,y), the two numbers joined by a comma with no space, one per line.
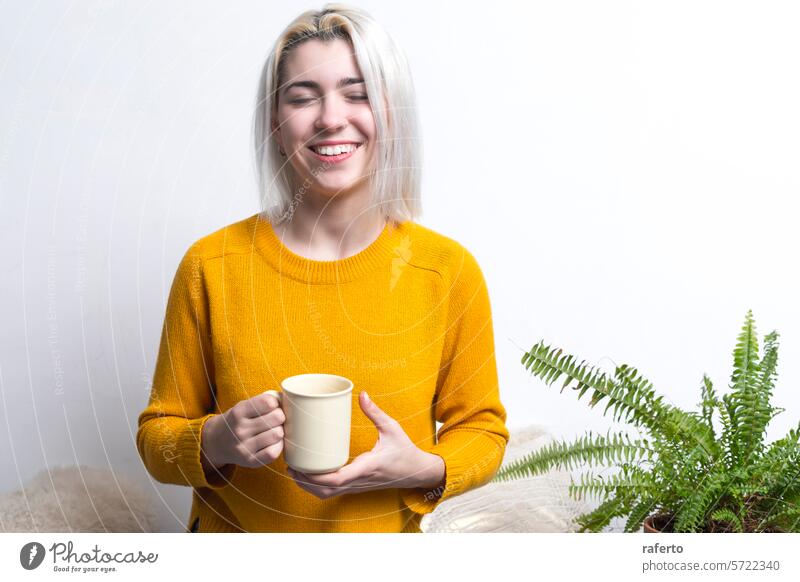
(181,400)
(473,435)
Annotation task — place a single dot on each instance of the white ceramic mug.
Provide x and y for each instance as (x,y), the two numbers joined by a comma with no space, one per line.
(316,432)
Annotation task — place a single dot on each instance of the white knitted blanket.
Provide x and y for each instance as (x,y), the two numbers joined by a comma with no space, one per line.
(534,504)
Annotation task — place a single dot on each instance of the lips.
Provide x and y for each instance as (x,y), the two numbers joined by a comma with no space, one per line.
(334,158)
(332,145)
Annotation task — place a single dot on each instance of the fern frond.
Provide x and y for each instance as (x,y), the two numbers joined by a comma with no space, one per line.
(690,515)
(599,518)
(752,412)
(745,355)
(769,364)
(778,467)
(726,515)
(587,450)
(729,431)
(548,364)
(639,513)
(631,479)
(787,519)
(633,398)
(763,412)
(709,403)
(688,428)
(629,394)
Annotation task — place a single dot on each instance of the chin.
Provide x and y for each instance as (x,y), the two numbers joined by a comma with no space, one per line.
(333,190)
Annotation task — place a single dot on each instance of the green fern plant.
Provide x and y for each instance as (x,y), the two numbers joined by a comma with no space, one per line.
(701,471)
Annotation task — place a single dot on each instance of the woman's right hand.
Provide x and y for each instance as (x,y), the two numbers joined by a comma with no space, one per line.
(249,434)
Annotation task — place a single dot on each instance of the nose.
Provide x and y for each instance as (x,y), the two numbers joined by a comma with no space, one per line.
(332,114)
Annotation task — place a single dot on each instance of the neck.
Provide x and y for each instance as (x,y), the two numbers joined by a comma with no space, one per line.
(330,229)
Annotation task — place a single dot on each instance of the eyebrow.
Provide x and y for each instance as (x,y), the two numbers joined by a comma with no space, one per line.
(314,85)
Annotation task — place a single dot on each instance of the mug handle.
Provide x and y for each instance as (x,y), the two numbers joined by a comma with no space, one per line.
(276,394)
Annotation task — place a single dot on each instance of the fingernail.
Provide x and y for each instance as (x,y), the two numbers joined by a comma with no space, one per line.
(366,396)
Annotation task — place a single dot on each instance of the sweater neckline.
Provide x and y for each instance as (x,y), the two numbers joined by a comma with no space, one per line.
(290,264)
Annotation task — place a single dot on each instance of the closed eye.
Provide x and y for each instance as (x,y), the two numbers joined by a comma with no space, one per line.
(302,100)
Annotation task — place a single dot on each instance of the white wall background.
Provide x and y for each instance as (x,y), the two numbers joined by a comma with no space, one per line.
(626,173)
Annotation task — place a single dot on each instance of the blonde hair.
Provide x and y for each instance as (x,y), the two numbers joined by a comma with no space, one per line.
(396,180)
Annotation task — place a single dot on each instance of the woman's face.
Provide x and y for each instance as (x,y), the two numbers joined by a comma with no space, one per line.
(323,102)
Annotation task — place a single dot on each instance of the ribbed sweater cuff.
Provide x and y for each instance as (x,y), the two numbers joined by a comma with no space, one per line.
(189,445)
(471,458)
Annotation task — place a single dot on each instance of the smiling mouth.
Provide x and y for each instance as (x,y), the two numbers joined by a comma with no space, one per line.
(335,151)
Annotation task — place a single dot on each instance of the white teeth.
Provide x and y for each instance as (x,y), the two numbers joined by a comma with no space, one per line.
(335,150)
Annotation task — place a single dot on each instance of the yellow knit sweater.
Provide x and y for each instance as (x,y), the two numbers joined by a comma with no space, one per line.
(407,319)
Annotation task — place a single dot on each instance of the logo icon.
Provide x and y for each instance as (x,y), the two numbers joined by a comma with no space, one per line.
(31,555)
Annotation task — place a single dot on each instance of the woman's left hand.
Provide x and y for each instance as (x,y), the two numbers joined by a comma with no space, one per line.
(394,462)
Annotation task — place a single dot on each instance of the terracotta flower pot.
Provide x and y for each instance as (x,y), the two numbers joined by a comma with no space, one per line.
(662,523)
(658,523)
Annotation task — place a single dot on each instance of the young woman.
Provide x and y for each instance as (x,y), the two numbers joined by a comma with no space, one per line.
(332,276)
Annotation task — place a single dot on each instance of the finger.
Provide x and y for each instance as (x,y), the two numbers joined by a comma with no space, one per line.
(302,481)
(347,475)
(302,478)
(259,405)
(313,480)
(341,478)
(261,424)
(268,454)
(307,482)
(266,439)
(360,475)
(382,421)
(361,469)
